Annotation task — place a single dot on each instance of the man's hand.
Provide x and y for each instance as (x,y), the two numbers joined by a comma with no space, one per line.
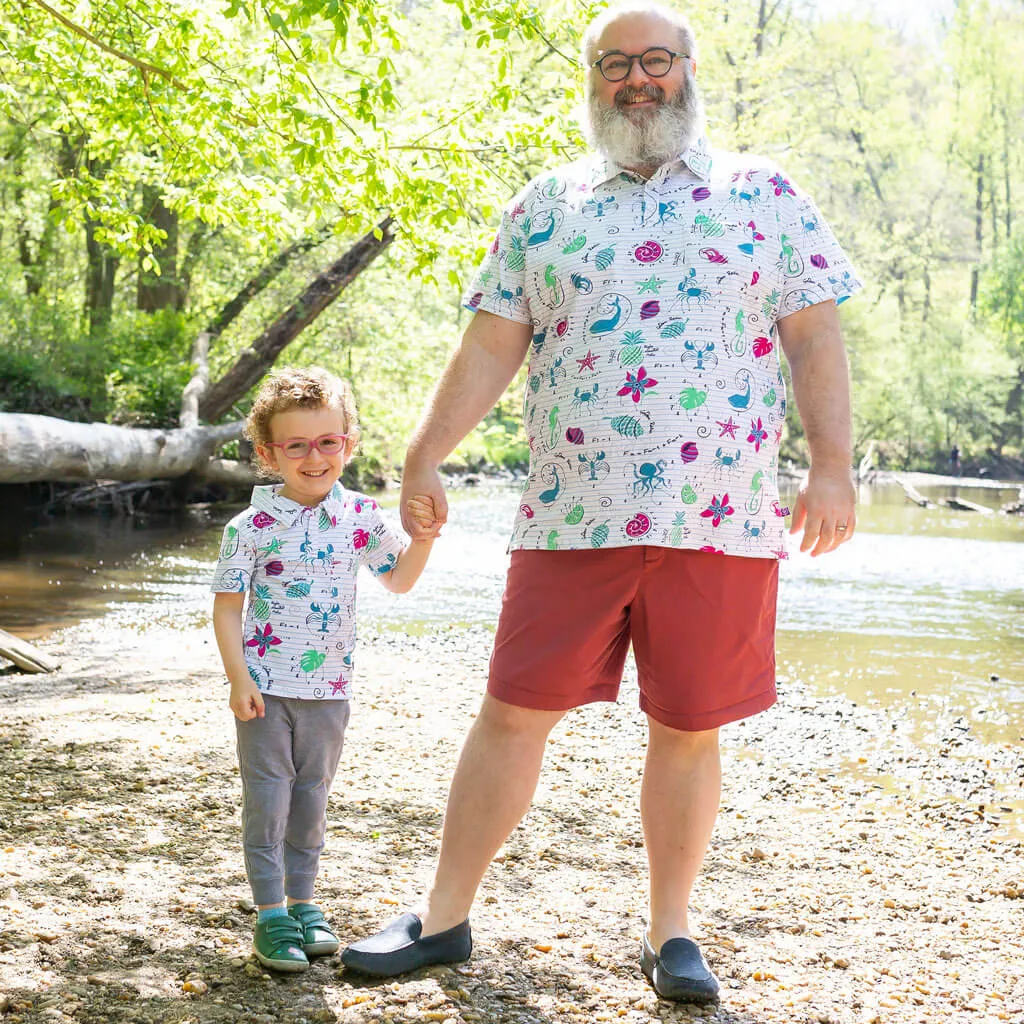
(246,700)
(421,509)
(423,505)
(825,510)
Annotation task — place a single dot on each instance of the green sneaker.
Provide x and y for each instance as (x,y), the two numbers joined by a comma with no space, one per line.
(277,944)
(317,937)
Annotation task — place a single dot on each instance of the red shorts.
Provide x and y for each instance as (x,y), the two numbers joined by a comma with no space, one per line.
(702,628)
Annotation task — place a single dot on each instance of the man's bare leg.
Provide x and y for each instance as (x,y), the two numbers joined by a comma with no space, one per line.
(678,803)
(491,791)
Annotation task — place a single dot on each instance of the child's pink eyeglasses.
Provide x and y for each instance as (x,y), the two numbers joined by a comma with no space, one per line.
(300,447)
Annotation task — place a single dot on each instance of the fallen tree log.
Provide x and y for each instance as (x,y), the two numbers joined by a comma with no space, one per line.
(913,494)
(255,360)
(46,448)
(963,505)
(24,655)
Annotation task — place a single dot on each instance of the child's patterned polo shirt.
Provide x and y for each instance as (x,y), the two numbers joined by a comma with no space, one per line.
(298,565)
(655,399)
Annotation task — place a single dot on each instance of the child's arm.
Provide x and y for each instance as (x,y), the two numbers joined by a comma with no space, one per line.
(246,701)
(408,567)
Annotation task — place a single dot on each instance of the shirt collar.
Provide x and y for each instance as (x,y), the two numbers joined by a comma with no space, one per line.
(697,157)
(269,499)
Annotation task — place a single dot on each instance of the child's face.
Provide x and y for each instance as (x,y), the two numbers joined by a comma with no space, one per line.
(307,480)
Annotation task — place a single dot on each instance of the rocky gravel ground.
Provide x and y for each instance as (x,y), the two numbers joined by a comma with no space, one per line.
(856,875)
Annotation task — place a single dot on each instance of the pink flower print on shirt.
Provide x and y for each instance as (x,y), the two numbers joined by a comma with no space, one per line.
(781,186)
(718,510)
(636,386)
(262,520)
(263,639)
(757,434)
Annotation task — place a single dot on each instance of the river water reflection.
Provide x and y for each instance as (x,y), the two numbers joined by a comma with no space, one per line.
(924,606)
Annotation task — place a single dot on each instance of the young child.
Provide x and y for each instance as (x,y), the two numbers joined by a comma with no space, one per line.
(292,558)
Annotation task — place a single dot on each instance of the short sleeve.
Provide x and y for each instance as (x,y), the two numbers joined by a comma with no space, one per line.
(237,560)
(378,545)
(499,285)
(814,266)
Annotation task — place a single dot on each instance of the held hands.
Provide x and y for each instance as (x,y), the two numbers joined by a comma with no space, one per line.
(246,701)
(825,510)
(422,511)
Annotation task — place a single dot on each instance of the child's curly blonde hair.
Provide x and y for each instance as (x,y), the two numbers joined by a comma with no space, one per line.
(294,388)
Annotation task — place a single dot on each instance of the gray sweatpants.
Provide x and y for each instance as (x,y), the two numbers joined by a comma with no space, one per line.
(287,761)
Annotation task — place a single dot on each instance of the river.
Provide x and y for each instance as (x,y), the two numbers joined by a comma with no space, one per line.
(925,607)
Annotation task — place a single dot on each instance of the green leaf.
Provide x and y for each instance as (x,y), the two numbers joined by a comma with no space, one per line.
(311,660)
(692,398)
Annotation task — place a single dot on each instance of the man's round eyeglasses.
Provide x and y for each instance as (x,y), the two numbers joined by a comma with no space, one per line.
(300,447)
(656,62)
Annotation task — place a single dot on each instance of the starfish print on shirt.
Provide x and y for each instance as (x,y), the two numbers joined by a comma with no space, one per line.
(728,428)
(588,361)
(651,285)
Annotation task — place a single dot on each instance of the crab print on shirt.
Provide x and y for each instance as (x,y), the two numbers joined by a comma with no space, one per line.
(298,566)
(655,400)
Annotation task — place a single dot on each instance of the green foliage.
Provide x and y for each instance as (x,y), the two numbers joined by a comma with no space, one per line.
(256,123)
(147,365)
(1003,297)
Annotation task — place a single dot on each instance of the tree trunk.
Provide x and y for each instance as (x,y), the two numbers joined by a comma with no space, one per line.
(45,448)
(159,291)
(263,277)
(979,224)
(256,360)
(102,269)
(34,256)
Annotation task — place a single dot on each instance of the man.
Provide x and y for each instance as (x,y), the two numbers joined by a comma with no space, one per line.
(652,287)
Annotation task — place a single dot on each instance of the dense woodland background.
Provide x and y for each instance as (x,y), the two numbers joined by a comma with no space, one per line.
(171,169)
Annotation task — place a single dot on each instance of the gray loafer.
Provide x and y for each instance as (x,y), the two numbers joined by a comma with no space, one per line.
(398,948)
(679,971)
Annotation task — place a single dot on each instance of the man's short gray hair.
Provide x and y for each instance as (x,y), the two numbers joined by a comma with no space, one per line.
(677,21)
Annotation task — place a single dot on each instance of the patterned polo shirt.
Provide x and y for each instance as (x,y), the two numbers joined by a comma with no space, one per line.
(298,566)
(655,399)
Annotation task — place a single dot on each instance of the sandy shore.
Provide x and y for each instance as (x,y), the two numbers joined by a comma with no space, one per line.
(853,877)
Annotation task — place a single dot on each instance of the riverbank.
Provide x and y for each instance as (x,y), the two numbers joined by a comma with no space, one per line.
(853,877)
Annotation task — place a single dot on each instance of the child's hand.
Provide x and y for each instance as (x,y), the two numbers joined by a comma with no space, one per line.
(246,701)
(421,508)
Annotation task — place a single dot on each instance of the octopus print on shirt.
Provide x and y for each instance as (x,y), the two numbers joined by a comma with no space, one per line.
(298,565)
(655,399)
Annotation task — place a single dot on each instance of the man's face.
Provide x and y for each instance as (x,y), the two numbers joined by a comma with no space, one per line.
(643,120)
(639,95)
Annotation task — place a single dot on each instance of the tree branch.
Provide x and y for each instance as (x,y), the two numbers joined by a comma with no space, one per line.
(139,65)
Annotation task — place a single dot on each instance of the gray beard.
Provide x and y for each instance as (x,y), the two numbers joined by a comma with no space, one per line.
(651,140)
